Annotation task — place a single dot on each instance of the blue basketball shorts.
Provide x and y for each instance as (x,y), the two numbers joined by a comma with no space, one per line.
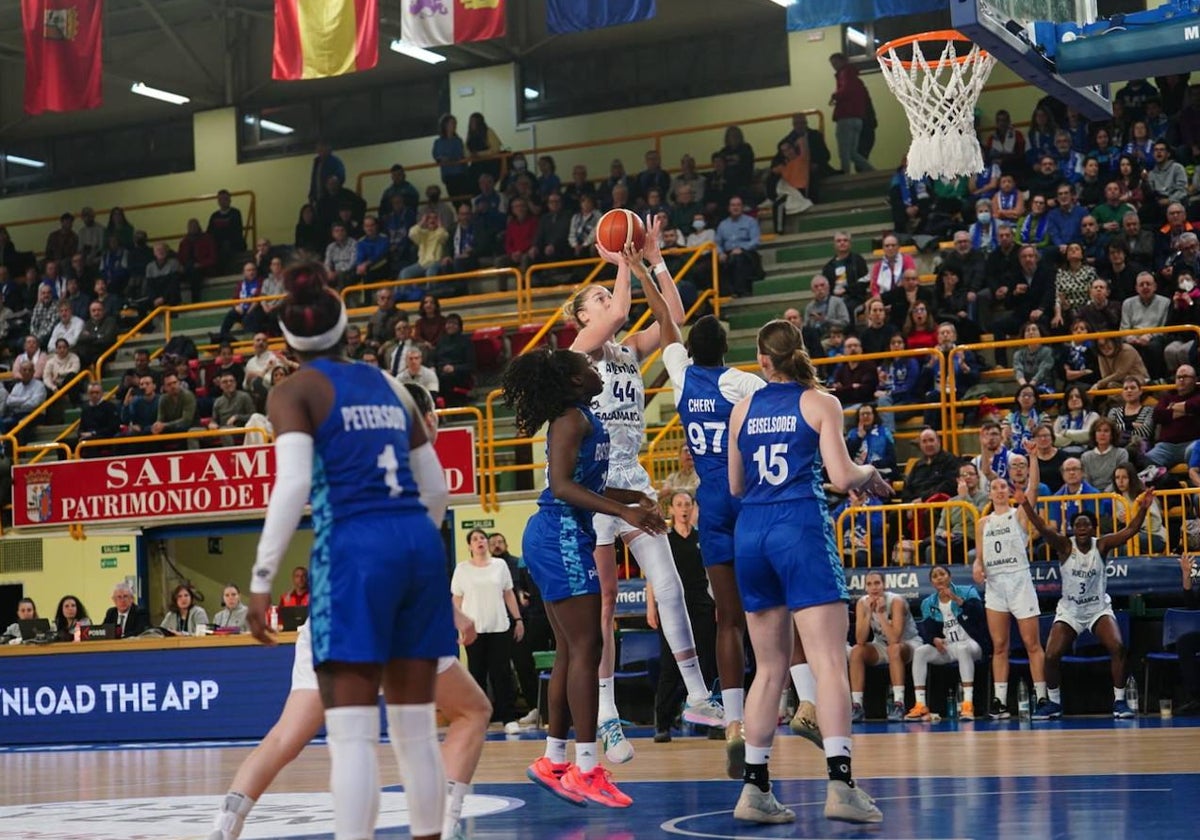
(787,556)
(559,549)
(718,515)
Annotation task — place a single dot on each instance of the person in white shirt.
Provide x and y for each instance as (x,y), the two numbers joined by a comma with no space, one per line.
(69,326)
(416,372)
(260,365)
(33,353)
(24,397)
(60,367)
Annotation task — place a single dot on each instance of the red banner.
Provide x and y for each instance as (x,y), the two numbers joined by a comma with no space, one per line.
(62,54)
(319,38)
(181,485)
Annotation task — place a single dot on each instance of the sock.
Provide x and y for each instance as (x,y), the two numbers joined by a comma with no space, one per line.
(693,680)
(756,767)
(856,697)
(353,733)
(585,756)
(1055,695)
(969,693)
(837,759)
(1039,690)
(734,701)
(920,692)
(608,700)
(1000,690)
(455,792)
(412,731)
(1118,694)
(898,694)
(556,750)
(806,684)
(234,808)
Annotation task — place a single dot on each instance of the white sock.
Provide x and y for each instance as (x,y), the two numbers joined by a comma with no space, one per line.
(1118,694)
(352,733)
(898,694)
(234,808)
(837,746)
(608,700)
(412,730)
(920,692)
(455,793)
(693,680)
(585,756)
(734,701)
(1001,692)
(969,693)
(1055,695)
(856,697)
(806,683)
(1039,690)
(758,755)
(556,750)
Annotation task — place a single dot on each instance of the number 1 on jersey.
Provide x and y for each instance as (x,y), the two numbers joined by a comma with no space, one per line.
(388,463)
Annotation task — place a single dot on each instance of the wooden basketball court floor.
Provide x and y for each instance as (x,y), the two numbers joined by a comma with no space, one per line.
(1079,778)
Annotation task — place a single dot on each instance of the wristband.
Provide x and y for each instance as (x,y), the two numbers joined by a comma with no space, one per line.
(659,266)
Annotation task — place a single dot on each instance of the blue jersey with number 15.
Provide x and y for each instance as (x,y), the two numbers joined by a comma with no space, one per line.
(360,463)
(781,456)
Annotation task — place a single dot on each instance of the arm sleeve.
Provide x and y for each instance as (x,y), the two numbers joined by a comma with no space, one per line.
(676,361)
(293,480)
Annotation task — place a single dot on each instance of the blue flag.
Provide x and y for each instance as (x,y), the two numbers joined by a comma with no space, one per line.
(564,16)
(811,14)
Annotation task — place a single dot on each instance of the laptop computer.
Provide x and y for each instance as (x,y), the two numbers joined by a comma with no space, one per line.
(290,618)
(32,628)
(99,632)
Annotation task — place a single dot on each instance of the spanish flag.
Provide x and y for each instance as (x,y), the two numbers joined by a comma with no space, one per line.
(319,38)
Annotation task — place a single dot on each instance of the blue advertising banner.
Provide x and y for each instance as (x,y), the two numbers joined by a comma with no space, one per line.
(143,695)
(1126,576)
(811,14)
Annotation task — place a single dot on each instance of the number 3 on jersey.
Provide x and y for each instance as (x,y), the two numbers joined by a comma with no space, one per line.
(706,437)
(772,464)
(388,463)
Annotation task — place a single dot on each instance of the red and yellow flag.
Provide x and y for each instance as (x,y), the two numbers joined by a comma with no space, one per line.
(62,54)
(319,38)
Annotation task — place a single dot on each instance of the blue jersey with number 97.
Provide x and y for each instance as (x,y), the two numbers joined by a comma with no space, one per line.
(781,458)
(360,462)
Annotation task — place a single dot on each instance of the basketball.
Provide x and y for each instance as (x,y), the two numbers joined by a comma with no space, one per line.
(619,228)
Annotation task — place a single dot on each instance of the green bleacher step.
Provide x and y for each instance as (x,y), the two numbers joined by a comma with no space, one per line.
(820,250)
(873,214)
(751,318)
(782,285)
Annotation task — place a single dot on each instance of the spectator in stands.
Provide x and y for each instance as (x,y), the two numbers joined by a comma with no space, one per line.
(876,336)
(906,296)
(823,311)
(325,165)
(970,263)
(393,354)
(233,613)
(910,201)
(198,255)
(450,155)
(431,324)
(91,237)
(581,236)
(435,203)
(176,408)
(1063,513)
(1064,220)
(61,367)
(1166,182)
(120,227)
(1073,426)
(309,236)
(718,189)
(398,187)
(1033,364)
(27,394)
(1140,243)
(616,178)
(1005,146)
(1177,417)
(99,418)
(68,327)
(934,470)
(885,634)
(163,277)
(395,226)
(98,334)
(954,534)
(243,313)
(454,361)
(226,228)
(523,188)
(886,274)
(82,273)
(1043,184)
(1068,160)
(579,186)
(850,102)
(862,530)
(114,265)
(1152,538)
(920,330)
(232,408)
(341,254)
(1186,256)
(430,239)
(69,616)
(260,364)
(1021,298)
(1111,212)
(1025,417)
(898,379)
(482,148)
(994,457)
(1119,271)
(298,595)
(737,250)
(953,302)
(183,614)
(336,198)
(553,231)
(854,381)
(739,161)
(61,244)
(414,370)
(130,619)
(1102,455)
(520,234)
(139,409)
(1117,361)
(380,324)
(1034,229)
(871,442)
(1095,244)
(371,262)
(653,177)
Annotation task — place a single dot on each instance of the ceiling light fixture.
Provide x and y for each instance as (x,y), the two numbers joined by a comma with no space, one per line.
(24,161)
(419,53)
(143,89)
(270,125)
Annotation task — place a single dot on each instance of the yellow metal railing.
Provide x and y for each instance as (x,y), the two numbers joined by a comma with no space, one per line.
(902,522)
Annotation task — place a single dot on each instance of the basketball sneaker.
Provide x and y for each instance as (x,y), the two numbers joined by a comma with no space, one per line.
(617,748)
(850,804)
(549,775)
(804,723)
(966,710)
(594,786)
(704,713)
(1121,710)
(998,711)
(857,714)
(757,806)
(735,749)
(532,718)
(918,712)
(895,712)
(1047,709)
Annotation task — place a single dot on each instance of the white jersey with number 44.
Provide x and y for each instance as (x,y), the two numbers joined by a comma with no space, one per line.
(620,407)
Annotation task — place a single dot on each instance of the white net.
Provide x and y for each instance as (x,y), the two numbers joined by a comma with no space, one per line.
(939,97)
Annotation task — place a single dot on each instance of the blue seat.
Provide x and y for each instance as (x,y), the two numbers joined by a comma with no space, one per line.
(1176,623)
(1016,645)
(1083,651)
(637,657)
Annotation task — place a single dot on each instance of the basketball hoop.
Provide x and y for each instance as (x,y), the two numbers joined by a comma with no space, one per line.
(939,97)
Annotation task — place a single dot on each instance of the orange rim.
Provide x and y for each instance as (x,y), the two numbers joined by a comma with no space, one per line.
(922,37)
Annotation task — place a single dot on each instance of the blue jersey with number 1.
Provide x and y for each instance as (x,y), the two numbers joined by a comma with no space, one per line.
(781,455)
(361,450)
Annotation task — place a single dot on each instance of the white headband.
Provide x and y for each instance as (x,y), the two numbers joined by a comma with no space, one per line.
(317,343)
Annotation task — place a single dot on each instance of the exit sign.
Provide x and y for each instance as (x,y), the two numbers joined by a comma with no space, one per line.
(108,562)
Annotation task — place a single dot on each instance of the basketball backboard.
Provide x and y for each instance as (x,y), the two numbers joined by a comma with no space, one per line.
(1005,28)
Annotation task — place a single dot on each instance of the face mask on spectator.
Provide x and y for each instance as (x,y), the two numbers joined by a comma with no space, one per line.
(985,218)
(698,224)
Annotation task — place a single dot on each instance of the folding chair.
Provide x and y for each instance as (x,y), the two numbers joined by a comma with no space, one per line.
(637,657)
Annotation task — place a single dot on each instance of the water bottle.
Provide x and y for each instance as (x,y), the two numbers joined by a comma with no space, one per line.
(958,697)
(951,706)
(1131,694)
(1023,701)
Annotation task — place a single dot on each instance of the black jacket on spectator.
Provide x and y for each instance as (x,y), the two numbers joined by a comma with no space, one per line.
(104,418)
(939,475)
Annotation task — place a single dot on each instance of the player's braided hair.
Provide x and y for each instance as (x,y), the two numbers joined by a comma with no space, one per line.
(537,385)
